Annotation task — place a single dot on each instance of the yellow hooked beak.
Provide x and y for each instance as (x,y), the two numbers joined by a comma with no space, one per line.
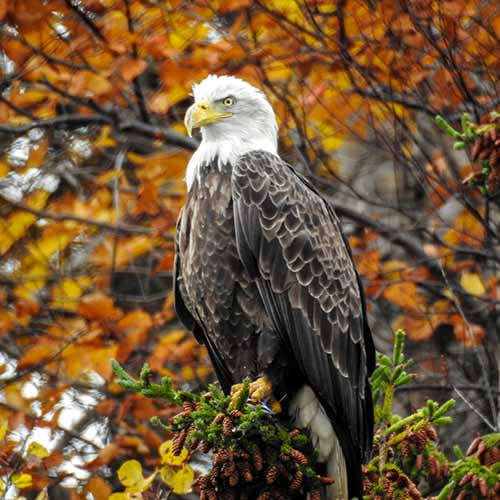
(203,113)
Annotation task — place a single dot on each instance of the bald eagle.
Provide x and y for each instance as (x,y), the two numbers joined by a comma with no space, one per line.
(265,279)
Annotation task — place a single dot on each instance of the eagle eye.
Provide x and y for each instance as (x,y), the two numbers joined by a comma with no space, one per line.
(228,101)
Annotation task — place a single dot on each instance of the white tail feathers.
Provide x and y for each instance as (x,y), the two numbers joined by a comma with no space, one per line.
(306,411)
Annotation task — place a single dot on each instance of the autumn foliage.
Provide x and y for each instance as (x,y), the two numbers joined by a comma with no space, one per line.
(92,159)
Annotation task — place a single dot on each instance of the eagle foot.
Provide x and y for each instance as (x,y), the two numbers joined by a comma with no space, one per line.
(259,390)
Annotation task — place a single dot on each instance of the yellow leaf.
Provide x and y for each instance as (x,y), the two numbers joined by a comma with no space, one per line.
(38,450)
(471,283)
(130,475)
(43,495)
(120,496)
(4,427)
(22,480)
(180,481)
(16,224)
(167,454)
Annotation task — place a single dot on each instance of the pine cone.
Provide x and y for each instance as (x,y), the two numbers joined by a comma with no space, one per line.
(405,448)
(236,413)
(227,494)
(204,446)
(265,495)
(271,474)
(473,446)
(419,462)
(233,479)
(227,426)
(178,441)
(431,433)
(299,457)
(327,480)
(315,495)
(493,181)
(246,471)
(203,482)
(228,469)
(296,484)
(258,460)
(219,418)
(421,438)
(222,456)
(188,406)
(466,479)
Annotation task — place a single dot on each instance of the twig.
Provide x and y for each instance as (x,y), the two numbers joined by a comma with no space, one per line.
(108,226)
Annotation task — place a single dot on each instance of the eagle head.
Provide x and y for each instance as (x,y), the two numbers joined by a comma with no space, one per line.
(234,117)
(225,104)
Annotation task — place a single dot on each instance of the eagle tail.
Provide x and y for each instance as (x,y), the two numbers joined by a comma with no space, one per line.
(307,412)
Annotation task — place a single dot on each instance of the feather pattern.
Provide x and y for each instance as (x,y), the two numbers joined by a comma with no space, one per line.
(264,278)
(310,289)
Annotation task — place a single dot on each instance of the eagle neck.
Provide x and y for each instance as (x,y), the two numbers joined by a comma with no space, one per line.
(226,151)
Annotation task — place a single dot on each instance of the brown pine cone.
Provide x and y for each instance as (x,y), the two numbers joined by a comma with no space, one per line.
(223,456)
(203,495)
(461,495)
(483,487)
(214,475)
(271,474)
(212,494)
(388,488)
(296,483)
(228,469)
(419,462)
(414,493)
(405,448)
(476,149)
(258,460)
(264,495)
(233,479)
(178,441)
(473,446)
(183,413)
(431,433)
(432,465)
(227,494)
(188,406)
(480,449)
(494,158)
(299,457)
(327,480)
(391,474)
(421,438)
(227,426)
(236,413)
(493,181)
(245,471)
(315,495)
(203,482)
(495,453)
(204,446)
(466,479)
(219,418)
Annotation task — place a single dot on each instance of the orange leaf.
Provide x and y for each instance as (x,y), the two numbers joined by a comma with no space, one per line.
(132,68)
(99,307)
(99,488)
(3,9)
(402,294)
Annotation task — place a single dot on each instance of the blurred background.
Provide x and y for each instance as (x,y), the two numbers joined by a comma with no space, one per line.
(92,161)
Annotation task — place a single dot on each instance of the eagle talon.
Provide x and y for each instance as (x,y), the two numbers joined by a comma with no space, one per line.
(259,390)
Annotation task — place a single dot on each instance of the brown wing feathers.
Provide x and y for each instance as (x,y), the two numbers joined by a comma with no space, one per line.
(290,241)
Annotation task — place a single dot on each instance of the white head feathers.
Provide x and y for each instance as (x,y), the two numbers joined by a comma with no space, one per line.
(251,127)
